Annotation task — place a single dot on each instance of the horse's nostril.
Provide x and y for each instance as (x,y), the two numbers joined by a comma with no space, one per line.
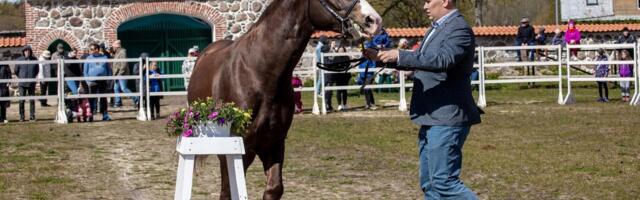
(368,21)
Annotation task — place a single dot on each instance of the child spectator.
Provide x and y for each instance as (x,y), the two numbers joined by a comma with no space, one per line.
(602,71)
(626,70)
(297,96)
(572,36)
(5,73)
(154,86)
(84,107)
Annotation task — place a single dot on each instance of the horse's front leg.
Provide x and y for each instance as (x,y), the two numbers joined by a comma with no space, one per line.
(272,161)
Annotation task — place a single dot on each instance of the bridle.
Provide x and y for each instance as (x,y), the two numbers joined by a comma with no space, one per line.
(344,21)
(346,24)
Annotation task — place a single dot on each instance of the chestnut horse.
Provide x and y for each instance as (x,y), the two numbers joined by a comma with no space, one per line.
(255,72)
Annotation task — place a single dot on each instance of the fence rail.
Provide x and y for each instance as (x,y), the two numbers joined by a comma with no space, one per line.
(562,63)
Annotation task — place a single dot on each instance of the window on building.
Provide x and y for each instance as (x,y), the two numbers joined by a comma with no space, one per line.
(592,2)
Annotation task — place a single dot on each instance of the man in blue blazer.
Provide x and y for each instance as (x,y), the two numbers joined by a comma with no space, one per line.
(442,103)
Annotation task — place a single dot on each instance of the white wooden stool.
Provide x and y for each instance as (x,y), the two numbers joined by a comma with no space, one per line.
(189,147)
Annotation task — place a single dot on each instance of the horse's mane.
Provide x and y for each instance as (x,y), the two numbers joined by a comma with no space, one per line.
(270,10)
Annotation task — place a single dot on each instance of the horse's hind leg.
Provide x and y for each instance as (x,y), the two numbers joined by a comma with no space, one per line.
(225,190)
(272,162)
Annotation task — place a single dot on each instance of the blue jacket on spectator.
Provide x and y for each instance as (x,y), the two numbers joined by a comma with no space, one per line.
(92,69)
(154,83)
(379,41)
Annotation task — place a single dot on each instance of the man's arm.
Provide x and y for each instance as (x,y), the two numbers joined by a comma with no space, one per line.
(451,51)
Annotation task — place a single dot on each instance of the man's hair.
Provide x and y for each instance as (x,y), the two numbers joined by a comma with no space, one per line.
(94,45)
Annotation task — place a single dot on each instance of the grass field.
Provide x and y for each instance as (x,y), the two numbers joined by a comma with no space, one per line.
(528,147)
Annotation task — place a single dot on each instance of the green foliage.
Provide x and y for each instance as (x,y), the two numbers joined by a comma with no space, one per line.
(12,16)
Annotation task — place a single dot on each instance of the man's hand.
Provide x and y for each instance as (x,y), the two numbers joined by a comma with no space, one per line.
(388,56)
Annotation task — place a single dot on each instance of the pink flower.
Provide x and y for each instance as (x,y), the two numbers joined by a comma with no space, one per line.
(213,115)
(187,133)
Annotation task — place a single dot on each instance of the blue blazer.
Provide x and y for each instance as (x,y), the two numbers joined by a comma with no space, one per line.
(442,85)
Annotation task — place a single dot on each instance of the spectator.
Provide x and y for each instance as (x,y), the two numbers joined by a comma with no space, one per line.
(342,79)
(297,96)
(626,70)
(541,39)
(188,64)
(84,113)
(627,38)
(46,71)
(136,71)
(321,47)
(330,78)
(73,70)
(97,69)
(379,41)
(27,71)
(557,38)
(525,37)
(154,86)
(5,73)
(602,71)
(121,69)
(572,36)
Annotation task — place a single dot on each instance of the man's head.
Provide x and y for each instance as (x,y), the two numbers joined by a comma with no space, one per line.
(436,9)
(60,48)
(557,31)
(625,31)
(94,48)
(524,21)
(117,44)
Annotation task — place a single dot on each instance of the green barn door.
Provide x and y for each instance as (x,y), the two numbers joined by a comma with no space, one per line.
(165,35)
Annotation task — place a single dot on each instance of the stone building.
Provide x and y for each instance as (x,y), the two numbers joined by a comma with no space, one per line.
(161,28)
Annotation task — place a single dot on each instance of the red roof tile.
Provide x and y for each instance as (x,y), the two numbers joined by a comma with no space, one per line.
(12,42)
(500,30)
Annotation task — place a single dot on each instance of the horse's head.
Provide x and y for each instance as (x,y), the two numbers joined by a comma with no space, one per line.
(349,17)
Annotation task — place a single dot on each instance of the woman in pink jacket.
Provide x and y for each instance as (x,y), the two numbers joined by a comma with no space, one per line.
(572,36)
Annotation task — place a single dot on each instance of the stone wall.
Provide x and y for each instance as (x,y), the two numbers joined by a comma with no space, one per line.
(80,23)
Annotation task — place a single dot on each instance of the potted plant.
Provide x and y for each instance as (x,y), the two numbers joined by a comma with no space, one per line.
(208,118)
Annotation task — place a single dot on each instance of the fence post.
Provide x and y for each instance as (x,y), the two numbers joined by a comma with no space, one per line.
(61,116)
(403,97)
(569,99)
(482,99)
(559,51)
(636,94)
(316,109)
(148,98)
(322,92)
(141,114)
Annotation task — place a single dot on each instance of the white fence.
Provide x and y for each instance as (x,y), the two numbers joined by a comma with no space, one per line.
(318,77)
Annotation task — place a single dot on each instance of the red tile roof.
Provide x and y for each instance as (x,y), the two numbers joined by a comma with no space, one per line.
(500,30)
(12,42)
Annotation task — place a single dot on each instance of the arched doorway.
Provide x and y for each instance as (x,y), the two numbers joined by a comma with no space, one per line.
(53,46)
(165,35)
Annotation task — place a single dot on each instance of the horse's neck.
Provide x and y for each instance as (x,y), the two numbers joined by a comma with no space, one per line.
(281,35)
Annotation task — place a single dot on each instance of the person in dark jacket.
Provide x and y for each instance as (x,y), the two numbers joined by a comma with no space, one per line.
(27,71)
(73,70)
(626,38)
(525,36)
(5,73)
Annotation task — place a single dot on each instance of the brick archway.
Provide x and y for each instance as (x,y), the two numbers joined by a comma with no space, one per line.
(44,42)
(137,10)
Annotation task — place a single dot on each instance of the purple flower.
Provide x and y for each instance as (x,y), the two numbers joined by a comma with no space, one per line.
(197,116)
(187,133)
(221,121)
(213,115)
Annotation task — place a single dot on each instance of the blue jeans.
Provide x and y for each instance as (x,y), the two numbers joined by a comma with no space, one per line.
(529,52)
(440,149)
(121,86)
(73,86)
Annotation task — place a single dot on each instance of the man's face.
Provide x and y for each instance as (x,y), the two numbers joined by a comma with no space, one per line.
(626,33)
(435,9)
(94,50)
(27,53)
